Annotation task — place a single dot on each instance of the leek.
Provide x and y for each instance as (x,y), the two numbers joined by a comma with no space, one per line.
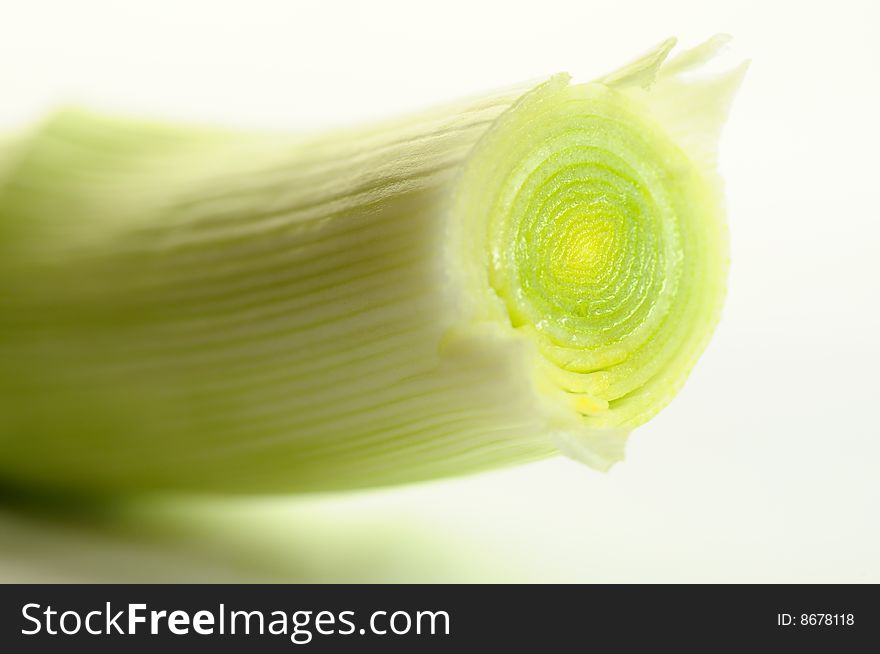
(478,285)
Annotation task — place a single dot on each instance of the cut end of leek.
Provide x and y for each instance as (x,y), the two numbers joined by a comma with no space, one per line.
(488,283)
(593,221)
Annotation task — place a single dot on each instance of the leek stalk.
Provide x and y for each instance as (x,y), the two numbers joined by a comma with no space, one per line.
(473,286)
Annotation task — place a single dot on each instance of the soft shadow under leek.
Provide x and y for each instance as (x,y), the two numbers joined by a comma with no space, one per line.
(52,539)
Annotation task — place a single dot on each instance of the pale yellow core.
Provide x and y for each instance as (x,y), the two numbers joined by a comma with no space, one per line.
(584,250)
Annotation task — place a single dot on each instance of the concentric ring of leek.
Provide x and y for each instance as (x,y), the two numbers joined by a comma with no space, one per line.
(603,242)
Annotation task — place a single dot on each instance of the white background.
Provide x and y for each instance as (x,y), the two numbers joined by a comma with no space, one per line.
(765,468)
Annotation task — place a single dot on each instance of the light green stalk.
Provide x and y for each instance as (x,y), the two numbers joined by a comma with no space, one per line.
(469,287)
